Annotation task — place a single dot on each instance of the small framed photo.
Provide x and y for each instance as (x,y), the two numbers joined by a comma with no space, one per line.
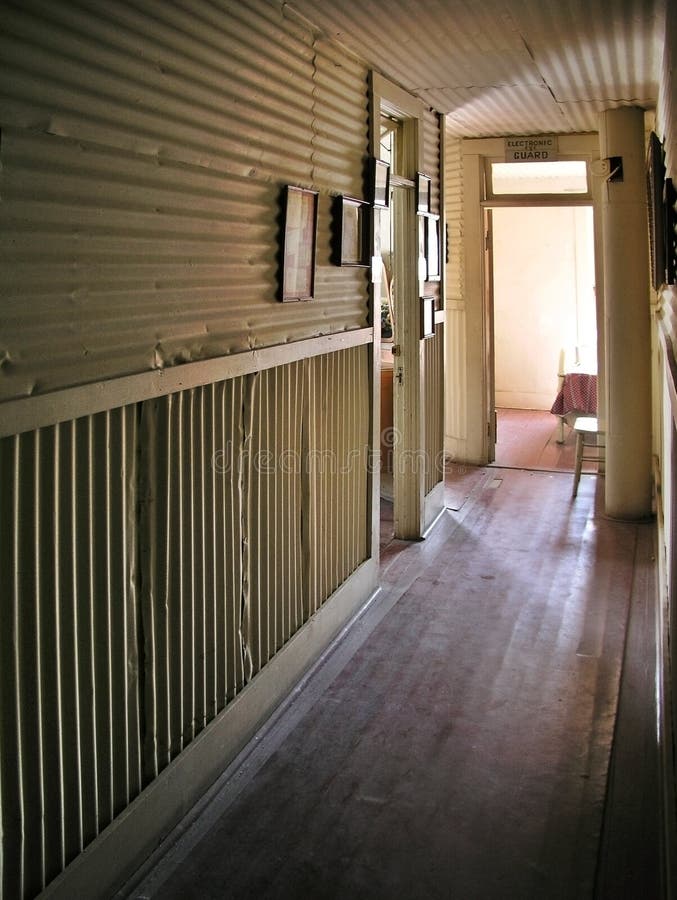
(669,204)
(427,317)
(299,237)
(379,183)
(423,190)
(351,232)
(432,248)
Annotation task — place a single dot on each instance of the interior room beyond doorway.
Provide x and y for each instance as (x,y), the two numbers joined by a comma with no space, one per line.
(544,326)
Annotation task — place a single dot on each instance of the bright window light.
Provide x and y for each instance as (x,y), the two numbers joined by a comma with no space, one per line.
(563,177)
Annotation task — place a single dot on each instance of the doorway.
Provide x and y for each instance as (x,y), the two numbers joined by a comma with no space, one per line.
(544,309)
(470,341)
(396,248)
(401,116)
(390,140)
(390,129)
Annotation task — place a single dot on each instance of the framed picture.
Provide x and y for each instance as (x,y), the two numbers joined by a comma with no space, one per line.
(379,183)
(669,202)
(351,232)
(422,264)
(427,317)
(423,190)
(299,239)
(655,178)
(432,248)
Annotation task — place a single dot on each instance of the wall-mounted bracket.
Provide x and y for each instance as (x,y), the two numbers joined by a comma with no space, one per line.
(615,168)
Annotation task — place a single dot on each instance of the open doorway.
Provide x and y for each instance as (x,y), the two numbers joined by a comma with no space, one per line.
(390,141)
(402,364)
(545,330)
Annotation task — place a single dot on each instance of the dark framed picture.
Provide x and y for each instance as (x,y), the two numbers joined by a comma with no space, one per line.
(432,248)
(655,178)
(669,202)
(427,317)
(379,183)
(351,232)
(423,190)
(299,240)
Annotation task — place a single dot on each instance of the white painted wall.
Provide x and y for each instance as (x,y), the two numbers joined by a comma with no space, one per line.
(544,300)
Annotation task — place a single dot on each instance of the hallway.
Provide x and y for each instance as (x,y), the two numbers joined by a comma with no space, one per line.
(456,741)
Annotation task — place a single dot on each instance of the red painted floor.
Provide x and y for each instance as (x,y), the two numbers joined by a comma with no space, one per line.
(528,439)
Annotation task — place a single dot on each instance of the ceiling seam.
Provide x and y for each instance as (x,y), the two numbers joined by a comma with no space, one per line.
(541,76)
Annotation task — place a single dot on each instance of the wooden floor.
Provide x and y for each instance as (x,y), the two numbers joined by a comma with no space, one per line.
(458,741)
(529,439)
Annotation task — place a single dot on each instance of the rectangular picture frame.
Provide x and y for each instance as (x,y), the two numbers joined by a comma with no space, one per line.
(299,241)
(423,192)
(379,183)
(670,213)
(427,317)
(351,232)
(432,246)
(655,178)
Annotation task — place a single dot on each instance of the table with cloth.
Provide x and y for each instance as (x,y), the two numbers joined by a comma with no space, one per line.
(577,394)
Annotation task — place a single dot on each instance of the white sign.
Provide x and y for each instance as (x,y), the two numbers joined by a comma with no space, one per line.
(533,148)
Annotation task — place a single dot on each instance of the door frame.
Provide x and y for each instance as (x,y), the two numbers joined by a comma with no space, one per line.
(473,388)
(408,407)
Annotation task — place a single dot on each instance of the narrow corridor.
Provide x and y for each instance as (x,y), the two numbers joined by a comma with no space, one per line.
(456,741)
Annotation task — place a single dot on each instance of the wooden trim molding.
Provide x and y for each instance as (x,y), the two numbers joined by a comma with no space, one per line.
(671,366)
(42,410)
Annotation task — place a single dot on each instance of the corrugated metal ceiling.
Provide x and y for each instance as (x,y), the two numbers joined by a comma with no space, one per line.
(506,66)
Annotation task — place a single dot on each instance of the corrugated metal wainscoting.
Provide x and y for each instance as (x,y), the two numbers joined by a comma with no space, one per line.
(154,559)
(70,753)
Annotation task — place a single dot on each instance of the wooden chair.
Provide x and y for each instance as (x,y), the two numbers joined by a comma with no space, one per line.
(589,446)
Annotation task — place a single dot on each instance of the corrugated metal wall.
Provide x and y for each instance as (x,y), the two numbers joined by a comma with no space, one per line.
(453,176)
(153,560)
(70,757)
(431,165)
(143,154)
(455,325)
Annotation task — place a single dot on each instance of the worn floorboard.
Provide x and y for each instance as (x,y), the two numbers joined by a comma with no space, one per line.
(528,439)
(456,743)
